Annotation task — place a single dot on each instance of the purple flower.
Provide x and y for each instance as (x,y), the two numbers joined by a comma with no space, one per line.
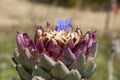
(56,52)
(53,42)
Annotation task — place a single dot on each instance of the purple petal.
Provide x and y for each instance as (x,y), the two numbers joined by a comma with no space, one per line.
(71,45)
(40,46)
(82,45)
(20,40)
(90,43)
(24,41)
(38,42)
(93,35)
(92,39)
(48,44)
(29,43)
(54,50)
(78,52)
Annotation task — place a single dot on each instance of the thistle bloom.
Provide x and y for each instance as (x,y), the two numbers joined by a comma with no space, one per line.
(58,52)
(64,25)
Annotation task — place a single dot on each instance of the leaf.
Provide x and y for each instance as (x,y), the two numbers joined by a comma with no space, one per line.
(37,71)
(88,69)
(59,70)
(73,75)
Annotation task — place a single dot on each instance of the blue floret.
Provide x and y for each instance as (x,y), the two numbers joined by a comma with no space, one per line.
(64,25)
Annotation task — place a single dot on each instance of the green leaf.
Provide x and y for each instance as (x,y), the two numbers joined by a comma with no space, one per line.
(59,70)
(37,71)
(73,75)
(78,63)
(46,62)
(23,73)
(68,57)
(94,51)
(23,59)
(88,69)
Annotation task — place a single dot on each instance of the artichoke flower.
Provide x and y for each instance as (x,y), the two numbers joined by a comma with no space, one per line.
(56,53)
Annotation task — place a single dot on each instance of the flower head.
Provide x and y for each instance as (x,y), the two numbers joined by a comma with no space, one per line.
(53,42)
(64,25)
(56,53)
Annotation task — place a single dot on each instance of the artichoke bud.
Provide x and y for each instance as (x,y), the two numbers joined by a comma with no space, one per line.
(56,53)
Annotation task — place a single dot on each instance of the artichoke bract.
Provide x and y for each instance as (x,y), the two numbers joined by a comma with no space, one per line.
(57,53)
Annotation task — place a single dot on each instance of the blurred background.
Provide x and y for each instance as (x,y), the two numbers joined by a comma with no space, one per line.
(100,15)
